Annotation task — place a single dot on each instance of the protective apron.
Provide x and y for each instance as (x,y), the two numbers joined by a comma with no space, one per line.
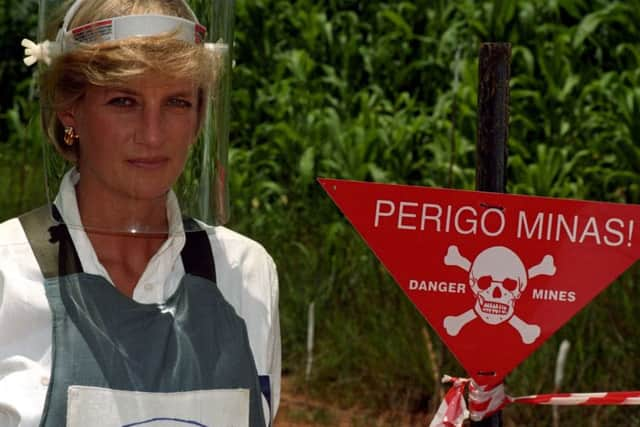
(101,338)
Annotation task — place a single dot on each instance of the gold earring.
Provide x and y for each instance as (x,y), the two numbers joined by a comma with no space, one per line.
(70,136)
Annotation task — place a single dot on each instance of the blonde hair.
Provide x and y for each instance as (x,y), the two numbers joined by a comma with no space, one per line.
(116,62)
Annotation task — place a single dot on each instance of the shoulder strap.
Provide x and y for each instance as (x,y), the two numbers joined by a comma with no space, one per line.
(50,242)
(197,256)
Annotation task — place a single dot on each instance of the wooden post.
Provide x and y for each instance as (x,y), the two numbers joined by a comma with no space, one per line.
(493,133)
(493,117)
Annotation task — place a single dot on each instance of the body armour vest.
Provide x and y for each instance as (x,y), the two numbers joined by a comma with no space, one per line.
(101,338)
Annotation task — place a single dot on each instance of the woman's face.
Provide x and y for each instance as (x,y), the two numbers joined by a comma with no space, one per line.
(134,139)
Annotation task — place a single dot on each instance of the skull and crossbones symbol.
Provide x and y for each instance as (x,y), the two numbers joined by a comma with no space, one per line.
(497,278)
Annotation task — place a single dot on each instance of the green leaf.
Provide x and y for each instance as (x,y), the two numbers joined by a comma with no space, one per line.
(400,23)
(306,166)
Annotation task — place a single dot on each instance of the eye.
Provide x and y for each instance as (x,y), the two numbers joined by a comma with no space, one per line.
(484,282)
(180,102)
(510,284)
(122,101)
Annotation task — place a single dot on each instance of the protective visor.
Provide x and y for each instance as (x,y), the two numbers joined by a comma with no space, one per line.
(150,150)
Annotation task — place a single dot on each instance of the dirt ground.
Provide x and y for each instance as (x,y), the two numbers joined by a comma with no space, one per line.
(299,410)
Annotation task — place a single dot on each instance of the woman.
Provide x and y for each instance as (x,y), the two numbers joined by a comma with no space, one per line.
(119,311)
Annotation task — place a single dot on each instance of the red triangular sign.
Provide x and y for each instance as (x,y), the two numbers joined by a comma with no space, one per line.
(494,274)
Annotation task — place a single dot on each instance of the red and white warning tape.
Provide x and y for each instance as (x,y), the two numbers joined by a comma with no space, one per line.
(610,398)
(486,400)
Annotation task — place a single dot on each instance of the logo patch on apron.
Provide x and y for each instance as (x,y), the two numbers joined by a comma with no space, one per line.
(94,406)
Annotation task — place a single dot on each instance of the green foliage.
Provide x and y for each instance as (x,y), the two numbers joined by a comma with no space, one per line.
(21,174)
(18,20)
(386,91)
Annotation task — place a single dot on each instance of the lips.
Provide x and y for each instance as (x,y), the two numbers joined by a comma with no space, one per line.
(155,162)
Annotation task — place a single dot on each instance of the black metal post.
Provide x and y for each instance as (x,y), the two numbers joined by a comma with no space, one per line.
(494,72)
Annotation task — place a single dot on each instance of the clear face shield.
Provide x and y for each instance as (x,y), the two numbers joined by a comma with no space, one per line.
(137,151)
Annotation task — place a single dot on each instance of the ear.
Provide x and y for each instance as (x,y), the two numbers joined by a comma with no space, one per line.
(67,117)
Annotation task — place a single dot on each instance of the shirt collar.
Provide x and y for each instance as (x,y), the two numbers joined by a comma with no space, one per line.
(155,285)
(67,204)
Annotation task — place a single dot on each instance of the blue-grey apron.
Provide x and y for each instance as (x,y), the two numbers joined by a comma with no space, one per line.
(101,338)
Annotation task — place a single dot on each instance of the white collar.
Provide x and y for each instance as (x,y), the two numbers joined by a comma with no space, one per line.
(67,203)
(156,277)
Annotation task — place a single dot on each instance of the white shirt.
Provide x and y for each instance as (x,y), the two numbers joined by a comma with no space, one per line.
(245,275)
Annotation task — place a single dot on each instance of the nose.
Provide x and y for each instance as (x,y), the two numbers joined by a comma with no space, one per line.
(152,126)
(497,292)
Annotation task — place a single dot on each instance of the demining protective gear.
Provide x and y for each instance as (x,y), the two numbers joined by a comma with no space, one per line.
(245,276)
(202,188)
(194,341)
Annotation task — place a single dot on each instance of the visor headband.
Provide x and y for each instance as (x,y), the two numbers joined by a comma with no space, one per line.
(123,27)
(110,29)
(77,3)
